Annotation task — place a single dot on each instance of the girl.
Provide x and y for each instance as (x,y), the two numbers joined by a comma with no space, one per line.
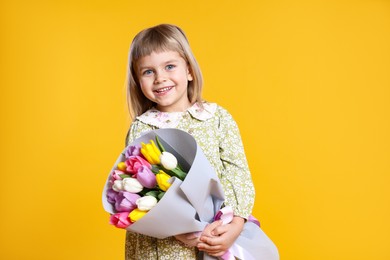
(164,91)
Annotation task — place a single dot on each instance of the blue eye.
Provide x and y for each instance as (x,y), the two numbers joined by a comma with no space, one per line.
(147,72)
(169,67)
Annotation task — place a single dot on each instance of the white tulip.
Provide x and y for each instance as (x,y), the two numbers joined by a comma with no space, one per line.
(132,185)
(117,185)
(168,160)
(146,203)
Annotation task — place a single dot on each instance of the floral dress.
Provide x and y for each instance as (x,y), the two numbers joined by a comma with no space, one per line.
(218,135)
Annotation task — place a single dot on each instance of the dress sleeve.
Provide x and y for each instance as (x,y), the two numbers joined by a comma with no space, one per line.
(235,177)
(131,134)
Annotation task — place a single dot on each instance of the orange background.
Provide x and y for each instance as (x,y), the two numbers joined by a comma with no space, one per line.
(307,81)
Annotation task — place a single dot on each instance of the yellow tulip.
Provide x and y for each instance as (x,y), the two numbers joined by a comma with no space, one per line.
(151,152)
(136,214)
(162,180)
(122,166)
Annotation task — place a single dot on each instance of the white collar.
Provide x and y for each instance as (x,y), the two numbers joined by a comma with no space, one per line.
(171,119)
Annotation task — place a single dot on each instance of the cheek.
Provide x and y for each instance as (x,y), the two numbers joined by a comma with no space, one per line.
(147,93)
(145,90)
(143,87)
(145,84)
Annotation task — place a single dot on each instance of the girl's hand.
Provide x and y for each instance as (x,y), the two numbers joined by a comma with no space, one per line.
(189,239)
(216,239)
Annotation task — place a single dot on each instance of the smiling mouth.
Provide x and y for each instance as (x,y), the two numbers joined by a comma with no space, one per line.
(163,90)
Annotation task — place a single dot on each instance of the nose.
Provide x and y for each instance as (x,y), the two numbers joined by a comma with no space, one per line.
(160,77)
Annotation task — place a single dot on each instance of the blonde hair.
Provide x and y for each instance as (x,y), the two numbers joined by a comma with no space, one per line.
(163,37)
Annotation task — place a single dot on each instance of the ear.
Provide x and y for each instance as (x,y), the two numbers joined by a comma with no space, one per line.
(189,75)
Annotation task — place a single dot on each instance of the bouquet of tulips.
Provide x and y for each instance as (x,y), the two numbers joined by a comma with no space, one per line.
(161,174)
(162,185)
(140,181)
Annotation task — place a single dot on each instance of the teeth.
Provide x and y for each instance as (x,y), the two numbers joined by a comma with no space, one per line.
(163,89)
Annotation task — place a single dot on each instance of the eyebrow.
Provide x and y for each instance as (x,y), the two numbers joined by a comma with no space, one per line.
(167,62)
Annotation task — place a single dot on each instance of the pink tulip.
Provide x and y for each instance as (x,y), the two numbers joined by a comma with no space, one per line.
(146,177)
(133,150)
(126,201)
(120,220)
(134,162)
(115,175)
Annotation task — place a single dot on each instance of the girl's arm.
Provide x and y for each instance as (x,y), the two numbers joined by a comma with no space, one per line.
(238,188)
(235,176)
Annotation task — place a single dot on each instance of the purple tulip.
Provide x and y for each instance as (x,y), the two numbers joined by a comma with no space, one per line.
(133,150)
(125,201)
(146,177)
(111,195)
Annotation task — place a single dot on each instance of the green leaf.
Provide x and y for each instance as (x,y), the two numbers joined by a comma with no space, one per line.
(178,173)
(181,168)
(159,144)
(123,176)
(153,193)
(144,191)
(155,169)
(160,195)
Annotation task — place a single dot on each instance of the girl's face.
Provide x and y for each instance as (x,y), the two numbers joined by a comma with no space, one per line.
(163,78)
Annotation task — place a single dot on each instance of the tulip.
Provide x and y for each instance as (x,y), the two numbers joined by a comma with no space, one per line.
(118,185)
(146,177)
(136,214)
(151,152)
(132,185)
(163,180)
(146,203)
(111,195)
(168,160)
(134,162)
(133,150)
(116,175)
(120,220)
(121,166)
(126,201)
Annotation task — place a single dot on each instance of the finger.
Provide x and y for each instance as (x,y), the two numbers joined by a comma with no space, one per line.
(208,247)
(217,254)
(212,241)
(211,227)
(218,231)
(183,238)
(210,252)
(191,236)
(189,243)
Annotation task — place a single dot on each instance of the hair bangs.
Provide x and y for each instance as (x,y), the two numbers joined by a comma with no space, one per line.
(155,41)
